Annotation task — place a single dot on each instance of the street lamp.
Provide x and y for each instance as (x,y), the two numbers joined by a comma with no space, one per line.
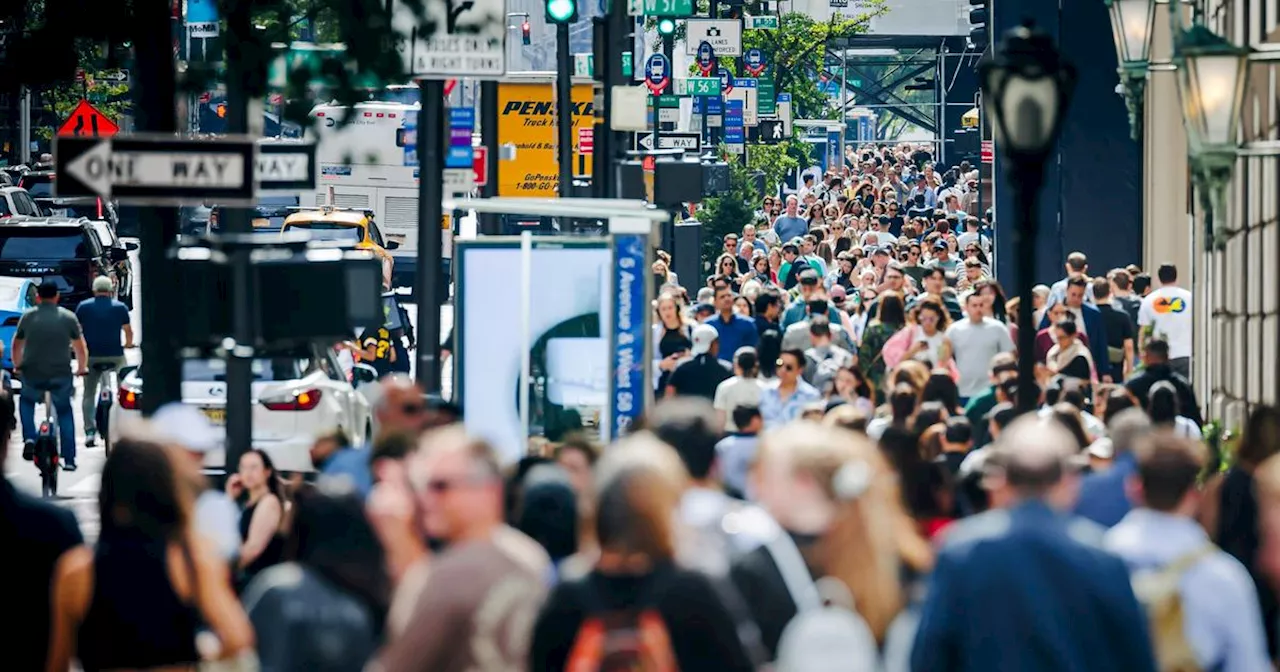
(1211,79)
(1132,24)
(1026,87)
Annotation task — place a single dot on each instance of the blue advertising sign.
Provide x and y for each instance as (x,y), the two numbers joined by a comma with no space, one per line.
(629,306)
(715,104)
(706,58)
(734,133)
(784,97)
(202,11)
(833,150)
(726,81)
(657,70)
(409,139)
(462,122)
(865,133)
(753,62)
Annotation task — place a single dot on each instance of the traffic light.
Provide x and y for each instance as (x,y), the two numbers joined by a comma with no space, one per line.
(562,11)
(979,16)
(666,26)
(525,29)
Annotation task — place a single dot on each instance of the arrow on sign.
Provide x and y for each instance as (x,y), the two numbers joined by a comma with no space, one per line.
(156,169)
(101,169)
(686,141)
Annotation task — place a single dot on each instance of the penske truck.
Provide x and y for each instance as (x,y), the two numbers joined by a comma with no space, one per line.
(527,119)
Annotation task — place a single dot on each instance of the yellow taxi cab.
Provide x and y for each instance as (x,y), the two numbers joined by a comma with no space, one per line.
(344,225)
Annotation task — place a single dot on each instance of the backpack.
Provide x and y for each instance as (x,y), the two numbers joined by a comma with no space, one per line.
(827,634)
(1157,592)
(824,368)
(627,640)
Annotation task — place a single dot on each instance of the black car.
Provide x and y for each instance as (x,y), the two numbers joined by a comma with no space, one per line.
(87,207)
(65,251)
(38,183)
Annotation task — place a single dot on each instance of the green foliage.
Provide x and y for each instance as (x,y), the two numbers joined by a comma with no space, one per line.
(775,161)
(728,212)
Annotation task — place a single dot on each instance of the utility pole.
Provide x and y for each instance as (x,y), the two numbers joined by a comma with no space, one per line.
(612,39)
(154,92)
(490,223)
(564,112)
(429,290)
(236,224)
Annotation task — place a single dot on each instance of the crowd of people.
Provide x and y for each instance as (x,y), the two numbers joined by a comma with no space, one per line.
(826,483)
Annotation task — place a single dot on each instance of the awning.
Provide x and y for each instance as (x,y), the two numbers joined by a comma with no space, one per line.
(970,118)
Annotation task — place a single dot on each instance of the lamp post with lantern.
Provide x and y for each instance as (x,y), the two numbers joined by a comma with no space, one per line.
(1132,25)
(1026,86)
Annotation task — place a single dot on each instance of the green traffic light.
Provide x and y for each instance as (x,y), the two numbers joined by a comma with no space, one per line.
(666,26)
(561,11)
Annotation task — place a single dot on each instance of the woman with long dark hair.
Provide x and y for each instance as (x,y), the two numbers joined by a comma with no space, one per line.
(324,608)
(890,318)
(991,289)
(257,487)
(137,600)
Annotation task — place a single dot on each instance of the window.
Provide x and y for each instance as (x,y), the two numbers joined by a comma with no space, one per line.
(5,211)
(274,369)
(22,243)
(23,204)
(376,234)
(326,231)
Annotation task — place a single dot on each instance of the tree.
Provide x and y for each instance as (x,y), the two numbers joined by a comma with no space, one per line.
(728,212)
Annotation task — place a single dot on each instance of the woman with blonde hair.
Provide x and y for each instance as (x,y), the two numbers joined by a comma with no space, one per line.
(672,338)
(837,500)
(680,618)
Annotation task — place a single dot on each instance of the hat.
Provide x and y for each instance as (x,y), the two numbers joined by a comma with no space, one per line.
(940,244)
(808,277)
(838,295)
(185,426)
(704,308)
(103,284)
(703,336)
(48,289)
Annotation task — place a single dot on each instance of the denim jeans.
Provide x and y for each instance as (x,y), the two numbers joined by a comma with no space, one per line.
(89,401)
(60,390)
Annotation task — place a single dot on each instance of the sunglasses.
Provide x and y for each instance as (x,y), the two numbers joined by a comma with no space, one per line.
(785,366)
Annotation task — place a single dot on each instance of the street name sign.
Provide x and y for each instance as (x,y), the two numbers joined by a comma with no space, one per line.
(703,86)
(156,169)
(469,41)
(288,167)
(724,36)
(660,7)
(762,23)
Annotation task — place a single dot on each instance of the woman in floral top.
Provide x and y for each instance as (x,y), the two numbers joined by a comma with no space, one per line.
(891,318)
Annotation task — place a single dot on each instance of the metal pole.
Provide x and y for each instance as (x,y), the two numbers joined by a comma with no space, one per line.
(942,108)
(154,93)
(1026,179)
(237,221)
(490,224)
(24,123)
(430,290)
(844,102)
(604,56)
(564,113)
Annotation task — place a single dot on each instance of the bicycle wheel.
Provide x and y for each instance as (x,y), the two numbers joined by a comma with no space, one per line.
(102,418)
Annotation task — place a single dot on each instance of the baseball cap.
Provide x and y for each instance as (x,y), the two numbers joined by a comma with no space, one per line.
(703,308)
(47,290)
(1102,449)
(103,284)
(185,426)
(808,277)
(940,245)
(703,336)
(838,295)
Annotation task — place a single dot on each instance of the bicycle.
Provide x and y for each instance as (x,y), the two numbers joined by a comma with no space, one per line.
(47,455)
(106,399)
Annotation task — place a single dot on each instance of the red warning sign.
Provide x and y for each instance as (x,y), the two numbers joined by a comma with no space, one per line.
(87,121)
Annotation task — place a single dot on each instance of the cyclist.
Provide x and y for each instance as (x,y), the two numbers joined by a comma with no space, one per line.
(102,318)
(40,344)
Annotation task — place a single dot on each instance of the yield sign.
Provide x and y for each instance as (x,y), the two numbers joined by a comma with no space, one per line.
(87,121)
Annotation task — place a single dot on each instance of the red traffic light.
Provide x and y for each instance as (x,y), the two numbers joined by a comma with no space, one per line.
(525,28)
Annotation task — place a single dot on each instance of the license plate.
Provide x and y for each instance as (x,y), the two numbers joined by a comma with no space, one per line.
(217,416)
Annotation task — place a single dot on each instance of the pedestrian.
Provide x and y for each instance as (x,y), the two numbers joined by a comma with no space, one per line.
(736,452)
(324,607)
(334,457)
(1089,320)
(102,318)
(976,340)
(823,359)
(1156,367)
(1029,587)
(215,516)
(492,577)
(743,389)
(784,399)
(44,533)
(137,600)
(257,487)
(635,597)
(734,331)
(1166,314)
(1121,330)
(44,336)
(1103,496)
(703,373)
(1176,566)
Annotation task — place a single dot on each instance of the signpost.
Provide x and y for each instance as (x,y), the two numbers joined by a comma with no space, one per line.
(734,129)
(660,7)
(724,36)
(706,59)
(762,23)
(460,157)
(784,111)
(657,73)
(726,81)
(156,169)
(703,86)
(469,41)
(687,141)
(744,89)
(87,121)
(753,62)
(766,97)
(286,167)
(117,76)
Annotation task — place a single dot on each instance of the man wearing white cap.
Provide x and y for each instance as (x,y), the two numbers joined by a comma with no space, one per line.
(102,318)
(700,375)
(216,516)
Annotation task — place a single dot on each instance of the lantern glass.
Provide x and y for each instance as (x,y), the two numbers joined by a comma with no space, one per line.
(1213,92)
(1132,23)
(1026,108)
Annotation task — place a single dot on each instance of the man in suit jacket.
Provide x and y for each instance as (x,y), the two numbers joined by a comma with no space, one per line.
(1029,587)
(1095,327)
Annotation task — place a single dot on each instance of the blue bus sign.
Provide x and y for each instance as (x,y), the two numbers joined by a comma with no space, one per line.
(706,58)
(753,62)
(726,81)
(657,70)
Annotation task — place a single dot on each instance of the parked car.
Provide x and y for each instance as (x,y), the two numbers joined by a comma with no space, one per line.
(119,253)
(76,207)
(296,392)
(17,296)
(16,202)
(68,252)
(39,183)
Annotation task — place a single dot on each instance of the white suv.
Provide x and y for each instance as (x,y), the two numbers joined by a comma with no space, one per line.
(15,201)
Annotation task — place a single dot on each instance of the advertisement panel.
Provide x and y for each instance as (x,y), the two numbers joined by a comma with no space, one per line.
(627,386)
(527,118)
(567,342)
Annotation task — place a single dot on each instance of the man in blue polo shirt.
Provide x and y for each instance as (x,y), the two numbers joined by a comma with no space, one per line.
(735,331)
(102,318)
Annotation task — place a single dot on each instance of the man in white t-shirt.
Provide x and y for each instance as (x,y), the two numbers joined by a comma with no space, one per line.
(743,389)
(1166,313)
(975,340)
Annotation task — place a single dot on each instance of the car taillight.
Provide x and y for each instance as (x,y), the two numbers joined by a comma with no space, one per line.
(130,400)
(296,401)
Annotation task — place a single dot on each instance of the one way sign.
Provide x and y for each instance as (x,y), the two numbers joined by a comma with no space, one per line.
(156,170)
(687,141)
(285,166)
